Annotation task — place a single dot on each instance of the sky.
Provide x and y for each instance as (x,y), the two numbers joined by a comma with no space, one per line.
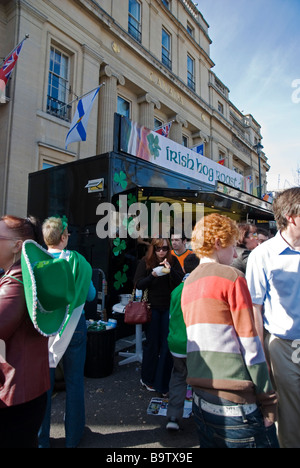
(256,51)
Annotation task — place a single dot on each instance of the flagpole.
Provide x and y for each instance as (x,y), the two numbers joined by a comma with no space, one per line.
(24,39)
(163,125)
(79,97)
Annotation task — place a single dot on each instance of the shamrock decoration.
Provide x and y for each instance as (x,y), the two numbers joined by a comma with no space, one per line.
(153,145)
(131,199)
(120,278)
(120,179)
(119,246)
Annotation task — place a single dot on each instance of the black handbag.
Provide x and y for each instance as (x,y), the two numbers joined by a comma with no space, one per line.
(138,312)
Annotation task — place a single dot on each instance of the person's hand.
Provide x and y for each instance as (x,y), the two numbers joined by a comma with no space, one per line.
(267,422)
(166,264)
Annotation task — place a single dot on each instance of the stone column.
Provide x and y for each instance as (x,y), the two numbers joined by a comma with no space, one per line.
(147,103)
(107,107)
(90,80)
(176,128)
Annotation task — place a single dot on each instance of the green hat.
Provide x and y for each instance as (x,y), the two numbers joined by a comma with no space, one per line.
(49,288)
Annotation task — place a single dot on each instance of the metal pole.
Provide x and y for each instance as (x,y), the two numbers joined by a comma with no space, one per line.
(258,148)
(26,37)
(79,97)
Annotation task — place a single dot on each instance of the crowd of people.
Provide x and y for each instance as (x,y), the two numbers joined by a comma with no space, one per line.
(233,330)
(225,323)
(42,294)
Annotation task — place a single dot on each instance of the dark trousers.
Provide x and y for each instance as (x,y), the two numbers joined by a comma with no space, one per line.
(19,425)
(157,359)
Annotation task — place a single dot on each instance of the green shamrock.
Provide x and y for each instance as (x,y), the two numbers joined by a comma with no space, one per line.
(119,246)
(120,179)
(121,278)
(153,145)
(131,199)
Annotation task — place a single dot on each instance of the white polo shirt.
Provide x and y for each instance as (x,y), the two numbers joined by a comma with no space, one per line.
(273,277)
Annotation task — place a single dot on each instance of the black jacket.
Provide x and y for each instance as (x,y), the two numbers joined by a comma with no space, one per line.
(160,287)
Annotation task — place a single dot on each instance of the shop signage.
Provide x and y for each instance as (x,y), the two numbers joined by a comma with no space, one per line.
(148,145)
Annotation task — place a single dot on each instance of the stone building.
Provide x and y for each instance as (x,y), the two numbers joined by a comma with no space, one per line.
(154,58)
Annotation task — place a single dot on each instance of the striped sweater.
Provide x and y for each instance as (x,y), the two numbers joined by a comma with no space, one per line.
(224,353)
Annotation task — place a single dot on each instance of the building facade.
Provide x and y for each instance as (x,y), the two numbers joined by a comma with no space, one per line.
(153,57)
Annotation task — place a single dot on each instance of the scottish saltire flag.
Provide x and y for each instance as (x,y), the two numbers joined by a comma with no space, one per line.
(8,66)
(79,123)
(164,129)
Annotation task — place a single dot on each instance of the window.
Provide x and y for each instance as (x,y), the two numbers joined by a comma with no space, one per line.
(220,107)
(185,141)
(58,84)
(157,123)
(191,72)
(190,29)
(47,165)
(166,49)
(166,3)
(134,19)
(123,107)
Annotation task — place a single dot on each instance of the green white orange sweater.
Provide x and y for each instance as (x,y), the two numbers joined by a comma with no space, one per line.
(224,353)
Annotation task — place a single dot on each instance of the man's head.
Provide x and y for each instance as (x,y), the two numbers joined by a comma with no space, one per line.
(190,263)
(286,205)
(178,242)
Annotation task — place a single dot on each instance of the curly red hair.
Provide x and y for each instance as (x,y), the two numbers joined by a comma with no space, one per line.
(210,228)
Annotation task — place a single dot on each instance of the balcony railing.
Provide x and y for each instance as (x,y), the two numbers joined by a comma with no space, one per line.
(191,81)
(134,32)
(58,108)
(166,60)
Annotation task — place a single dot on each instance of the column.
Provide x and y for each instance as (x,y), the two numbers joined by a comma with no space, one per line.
(90,80)
(147,103)
(107,107)
(176,128)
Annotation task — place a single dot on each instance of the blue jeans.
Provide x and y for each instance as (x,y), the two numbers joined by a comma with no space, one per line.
(73,367)
(157,359)
(234,432)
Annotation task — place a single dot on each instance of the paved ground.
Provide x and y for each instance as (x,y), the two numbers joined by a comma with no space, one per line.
(116,414)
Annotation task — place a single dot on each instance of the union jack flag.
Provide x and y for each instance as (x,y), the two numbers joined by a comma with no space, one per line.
(164,129)
(8,65)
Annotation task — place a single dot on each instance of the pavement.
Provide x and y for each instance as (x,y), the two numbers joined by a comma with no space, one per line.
(116,413)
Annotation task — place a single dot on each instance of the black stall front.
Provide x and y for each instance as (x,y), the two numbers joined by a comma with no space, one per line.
(143,168)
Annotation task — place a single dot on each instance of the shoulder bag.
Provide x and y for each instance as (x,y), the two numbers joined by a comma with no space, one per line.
(138,312)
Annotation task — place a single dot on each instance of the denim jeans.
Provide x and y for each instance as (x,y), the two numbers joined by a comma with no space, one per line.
(234,432)
(157,360)
(73,367)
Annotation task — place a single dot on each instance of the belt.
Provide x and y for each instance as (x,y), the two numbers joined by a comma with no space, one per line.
(228,411)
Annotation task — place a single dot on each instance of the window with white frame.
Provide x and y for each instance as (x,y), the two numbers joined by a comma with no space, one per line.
(134,19)
(58,84)
(123,107)
(166,48)
(191,72)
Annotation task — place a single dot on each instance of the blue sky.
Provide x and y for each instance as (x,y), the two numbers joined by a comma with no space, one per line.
(256,51)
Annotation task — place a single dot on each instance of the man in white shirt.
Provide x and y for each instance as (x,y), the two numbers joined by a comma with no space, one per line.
(273,276)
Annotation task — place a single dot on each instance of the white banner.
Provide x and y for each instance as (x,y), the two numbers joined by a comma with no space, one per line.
(150,146)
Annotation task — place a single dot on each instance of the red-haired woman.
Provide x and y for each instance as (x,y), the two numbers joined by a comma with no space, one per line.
(24,368)
(159,272)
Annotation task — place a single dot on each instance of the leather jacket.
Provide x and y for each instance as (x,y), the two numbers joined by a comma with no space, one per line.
(24,364)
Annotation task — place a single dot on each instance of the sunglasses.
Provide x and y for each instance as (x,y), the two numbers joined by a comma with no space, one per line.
(164,248)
